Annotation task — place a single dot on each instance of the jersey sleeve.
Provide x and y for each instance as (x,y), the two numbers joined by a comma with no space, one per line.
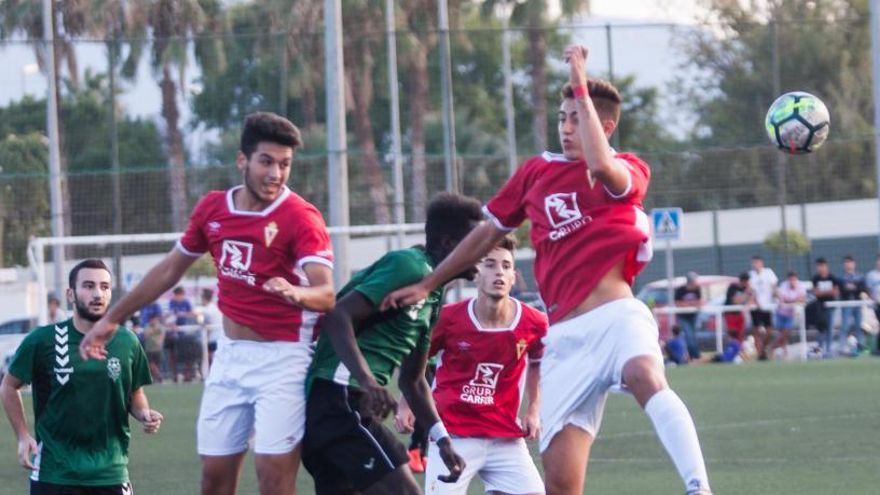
(639,177)
(507,209)
(536,349)
(140,370)
(22,364)
(194,241)
(312,243)
(392,271)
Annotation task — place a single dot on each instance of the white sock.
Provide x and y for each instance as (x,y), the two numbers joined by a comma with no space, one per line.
(677,433)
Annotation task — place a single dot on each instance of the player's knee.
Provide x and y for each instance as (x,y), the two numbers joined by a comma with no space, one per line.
(643,377)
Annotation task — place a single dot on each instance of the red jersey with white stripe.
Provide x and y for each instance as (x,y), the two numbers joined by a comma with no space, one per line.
(480,375)
(251,247)
(579,230)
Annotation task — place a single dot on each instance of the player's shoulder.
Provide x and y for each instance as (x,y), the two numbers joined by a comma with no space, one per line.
(632,160)
(44,332)
(295,201)
(213,198)
(533,315)
(451,310)
(408,260)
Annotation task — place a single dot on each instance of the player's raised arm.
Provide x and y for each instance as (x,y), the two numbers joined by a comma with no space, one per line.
(467,253)
(592,129)
(158,280)
(417,392)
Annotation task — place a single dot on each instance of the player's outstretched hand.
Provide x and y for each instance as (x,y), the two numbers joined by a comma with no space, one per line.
(377,400)
(454,463)
(93,345)
(151,420)
(404,296)
(27,449)
(281,287)
(576,58)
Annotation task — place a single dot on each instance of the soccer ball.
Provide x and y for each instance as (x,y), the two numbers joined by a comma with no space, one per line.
(797,122)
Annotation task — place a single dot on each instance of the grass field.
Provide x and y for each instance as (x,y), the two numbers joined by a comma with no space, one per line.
(781,428)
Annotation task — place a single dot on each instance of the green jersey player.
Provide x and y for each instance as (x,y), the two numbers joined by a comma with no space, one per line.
(346,448)
(81,407)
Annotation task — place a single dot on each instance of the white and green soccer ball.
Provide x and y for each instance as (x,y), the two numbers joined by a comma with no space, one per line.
(797,123)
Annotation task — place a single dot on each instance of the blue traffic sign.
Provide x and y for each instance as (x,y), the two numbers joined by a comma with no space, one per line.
(666,223)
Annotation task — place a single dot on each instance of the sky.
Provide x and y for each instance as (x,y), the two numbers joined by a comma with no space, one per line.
(679,11)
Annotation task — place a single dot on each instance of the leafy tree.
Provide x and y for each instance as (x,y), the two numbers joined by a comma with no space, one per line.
(24,202)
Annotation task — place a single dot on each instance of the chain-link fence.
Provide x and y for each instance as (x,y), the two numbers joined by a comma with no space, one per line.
(137,109)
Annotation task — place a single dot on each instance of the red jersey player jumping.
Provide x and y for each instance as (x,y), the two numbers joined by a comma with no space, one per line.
(482,346)
(591,238)
(274,270)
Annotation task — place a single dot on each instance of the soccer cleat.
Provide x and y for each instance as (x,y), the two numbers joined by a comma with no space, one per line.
(696,487)
(415,461)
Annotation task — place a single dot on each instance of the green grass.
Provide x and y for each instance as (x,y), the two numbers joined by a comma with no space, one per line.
(798,428)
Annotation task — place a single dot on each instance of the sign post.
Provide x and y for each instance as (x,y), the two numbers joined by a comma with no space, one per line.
(666,224)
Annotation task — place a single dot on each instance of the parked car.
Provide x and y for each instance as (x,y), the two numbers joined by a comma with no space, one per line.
(713,289)
(12,332)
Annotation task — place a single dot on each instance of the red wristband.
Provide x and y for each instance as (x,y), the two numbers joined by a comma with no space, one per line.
(581,91)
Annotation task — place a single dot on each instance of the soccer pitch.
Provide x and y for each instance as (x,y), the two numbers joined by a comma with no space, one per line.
(782,428)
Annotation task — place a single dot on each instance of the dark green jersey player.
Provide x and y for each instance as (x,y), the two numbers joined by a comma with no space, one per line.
(81,407)
(346,448)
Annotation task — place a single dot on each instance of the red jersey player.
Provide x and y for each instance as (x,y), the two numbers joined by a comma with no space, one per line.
(274,270)
(482,346)
(591,238)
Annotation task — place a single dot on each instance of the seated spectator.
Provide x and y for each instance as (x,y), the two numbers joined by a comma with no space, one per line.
(676,348)
(739,293)
(791,293)
(688,295)
(154,338)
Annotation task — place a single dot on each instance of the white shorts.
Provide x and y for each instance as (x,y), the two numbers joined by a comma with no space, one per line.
(584,359)
(503,464)
(254,389)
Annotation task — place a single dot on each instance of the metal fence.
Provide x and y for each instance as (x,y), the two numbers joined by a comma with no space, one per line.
(135,108)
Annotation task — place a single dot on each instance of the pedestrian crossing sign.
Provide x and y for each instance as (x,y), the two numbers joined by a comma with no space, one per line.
(666,223)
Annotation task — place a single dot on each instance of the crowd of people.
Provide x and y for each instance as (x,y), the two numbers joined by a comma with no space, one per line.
(768,313)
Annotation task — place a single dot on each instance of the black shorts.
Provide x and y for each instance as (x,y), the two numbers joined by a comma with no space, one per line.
(43,488)
(343,450)
(762,318)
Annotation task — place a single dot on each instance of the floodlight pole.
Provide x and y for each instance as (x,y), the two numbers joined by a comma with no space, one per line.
(337,150)
(450,159)
(875,57)
(780,158)
(506,13)
(396,146)
(56,213)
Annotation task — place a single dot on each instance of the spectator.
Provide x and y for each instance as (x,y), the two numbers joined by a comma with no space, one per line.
(676,348)
(688,295)
(187,346)
(181,308)
(148,311)
(154,338)
(763,282)
(212,320)
(56,314)
(872,281)
(826,288)
(738,293)
(852,285)
(791,292)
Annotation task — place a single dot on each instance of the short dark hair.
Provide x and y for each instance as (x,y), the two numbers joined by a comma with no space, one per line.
(606,97)
(507,242)
(270,127)
(821,261)
(792,274)
(178,290)
(450,215)
(744,276)
(757,257)
(848,257)
(88,263)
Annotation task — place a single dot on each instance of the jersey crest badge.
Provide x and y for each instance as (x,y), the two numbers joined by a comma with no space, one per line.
(114,368)
(520,348)
(270,232)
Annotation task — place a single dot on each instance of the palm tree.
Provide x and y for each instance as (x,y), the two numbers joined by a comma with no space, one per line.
(533,15)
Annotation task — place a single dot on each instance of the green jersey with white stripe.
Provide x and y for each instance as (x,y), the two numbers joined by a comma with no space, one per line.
(386,338)
(81,407)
